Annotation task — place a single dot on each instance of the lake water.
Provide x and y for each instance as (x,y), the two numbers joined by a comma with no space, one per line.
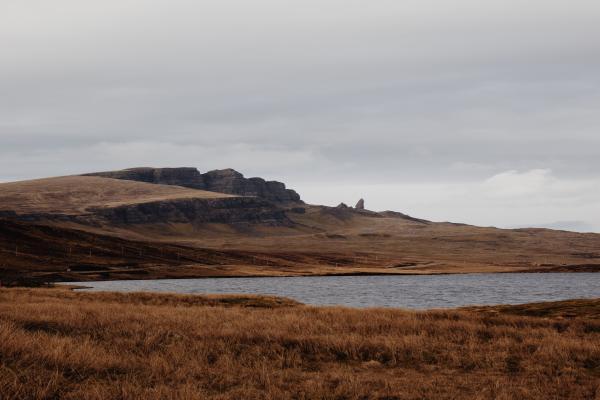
(408,291)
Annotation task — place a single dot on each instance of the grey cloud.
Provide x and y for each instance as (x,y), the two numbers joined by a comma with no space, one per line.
(389,92)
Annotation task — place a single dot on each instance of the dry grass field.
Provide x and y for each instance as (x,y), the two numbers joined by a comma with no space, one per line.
(31,254)
(38,252)
(405,246)
(77,194)
(59,344)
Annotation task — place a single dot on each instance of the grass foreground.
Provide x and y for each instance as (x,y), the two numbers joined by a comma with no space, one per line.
(55,343)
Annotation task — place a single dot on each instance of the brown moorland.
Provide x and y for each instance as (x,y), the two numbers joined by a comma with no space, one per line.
(88,228)
(33,254)
(77,194)
(55,343)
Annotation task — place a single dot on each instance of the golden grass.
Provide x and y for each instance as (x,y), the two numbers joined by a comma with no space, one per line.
(589,309)
(59,344)
(394,245)
(75,194)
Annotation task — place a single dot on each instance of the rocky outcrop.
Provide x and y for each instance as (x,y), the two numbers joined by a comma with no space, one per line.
(232,182)
(185,176)
(223,181)
(360,205)
(228,210)
(233,211)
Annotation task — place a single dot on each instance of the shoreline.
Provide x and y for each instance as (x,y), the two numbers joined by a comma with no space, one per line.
(360,273)
(595,269)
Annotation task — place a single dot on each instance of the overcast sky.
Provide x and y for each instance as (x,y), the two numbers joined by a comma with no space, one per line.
(478,111)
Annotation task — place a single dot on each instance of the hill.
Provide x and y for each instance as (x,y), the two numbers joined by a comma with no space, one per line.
(178,231)
(224,180)
(33,254)
(78,194)
(91,200)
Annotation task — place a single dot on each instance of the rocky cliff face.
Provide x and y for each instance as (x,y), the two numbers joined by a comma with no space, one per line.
(232,211)
(188,177)
(232,182)
(196,211)
(224,181)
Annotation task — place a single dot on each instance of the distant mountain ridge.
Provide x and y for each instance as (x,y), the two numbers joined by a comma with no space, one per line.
(227,181)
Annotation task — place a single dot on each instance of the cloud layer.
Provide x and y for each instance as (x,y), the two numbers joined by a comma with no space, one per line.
(474,108)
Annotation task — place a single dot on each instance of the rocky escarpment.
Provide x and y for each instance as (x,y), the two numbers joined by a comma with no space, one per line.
(230,210)
(196,211)
(223,181)
(185,176)
(232,182)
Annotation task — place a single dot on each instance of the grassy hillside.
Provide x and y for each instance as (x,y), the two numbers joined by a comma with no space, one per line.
(32,254)
(77,194)
(59,344)
(284,240)
(401,245)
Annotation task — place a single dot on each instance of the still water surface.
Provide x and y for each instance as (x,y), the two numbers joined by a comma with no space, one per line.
(418,292)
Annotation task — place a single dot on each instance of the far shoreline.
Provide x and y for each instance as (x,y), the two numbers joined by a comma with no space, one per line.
(157,275)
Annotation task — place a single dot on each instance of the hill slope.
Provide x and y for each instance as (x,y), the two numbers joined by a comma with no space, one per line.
(224,180)
(284,238)
(77,194)
(99,201)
